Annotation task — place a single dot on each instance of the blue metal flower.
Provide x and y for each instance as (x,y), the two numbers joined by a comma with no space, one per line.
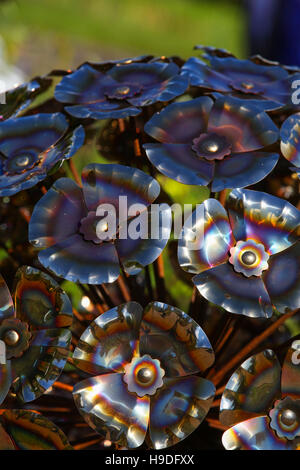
(82,246)
(268,85)
(147,360)
(19,98)
(203,141)
(34,334)
(31,146)
(247,263)
(261,402)
(122,90)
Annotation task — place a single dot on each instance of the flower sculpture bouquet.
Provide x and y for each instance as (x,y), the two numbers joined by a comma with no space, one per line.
(149,246)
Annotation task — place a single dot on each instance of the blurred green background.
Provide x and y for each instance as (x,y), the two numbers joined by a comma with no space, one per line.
(42,34)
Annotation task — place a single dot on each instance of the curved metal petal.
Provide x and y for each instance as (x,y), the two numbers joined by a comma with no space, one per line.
(170,335)
(254,434)
(111,410)
(247,70)
(5,380)
(63,202)
(110,340)
(30,430)
(6,304)
(85,85)
(40,301)
(234,292)
(155,228)
(41,365)
(78,260)
(180,123)
(104,184)
(210,225)
(201,75)
(243,169)
(263,218)
(290,139)
(282,279)
(245,128)
(281,91)
(178,408)
(179,162)
(99,111)
(19,98)
(290,377)
(252,389)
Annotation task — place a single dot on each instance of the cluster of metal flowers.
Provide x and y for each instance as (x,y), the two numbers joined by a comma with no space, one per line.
(96,349)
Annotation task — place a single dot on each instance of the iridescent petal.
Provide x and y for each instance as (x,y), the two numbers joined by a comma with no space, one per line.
(282,279)
(19,98)
(290,139)
(264,218)
(104,184)
(254,434)
(245,128)
(243,169)
(179,162)
(30,430)
(6,304)
(210,225)
(135,254)
(62,202)
(281,91)
(201,75)
(109,341)
(178,408)
(77,260)
(41,365)
(40,301)
(5,380)
(170,335)
(111,410)
(99,111)
(252,389)
(290,377)
(247,70)
(234,292)
(180,123)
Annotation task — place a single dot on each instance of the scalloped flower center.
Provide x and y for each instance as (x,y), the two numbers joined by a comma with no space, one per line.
(143,375)
(249,258)
(20,163)
(94,228)
(246,86)
(211,146)
(285,418)
(15,334)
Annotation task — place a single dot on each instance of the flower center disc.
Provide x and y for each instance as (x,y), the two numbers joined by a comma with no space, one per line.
(248,258)
(11,337)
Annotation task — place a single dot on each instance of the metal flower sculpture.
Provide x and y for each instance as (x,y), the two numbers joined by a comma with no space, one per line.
(202,141)
(261,402)
(247,263)
(290,139)
(31,146)
(120,91)
(268,85)
(28,430)
(85,247)
(34,334)
(147,388)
